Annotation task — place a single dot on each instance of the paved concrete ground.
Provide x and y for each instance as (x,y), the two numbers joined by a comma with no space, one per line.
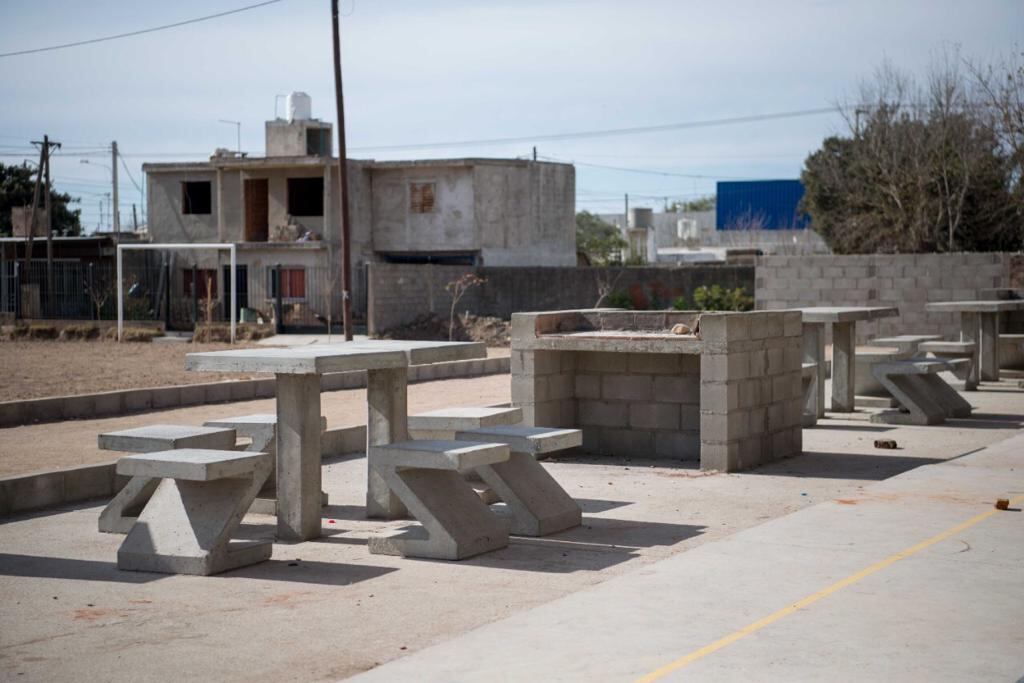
(328,609)
(914,578)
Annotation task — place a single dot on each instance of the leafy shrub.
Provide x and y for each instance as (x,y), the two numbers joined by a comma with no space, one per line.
(619,299)
(716,298)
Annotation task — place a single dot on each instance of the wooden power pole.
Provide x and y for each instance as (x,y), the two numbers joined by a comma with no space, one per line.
(346,260)
(44,173)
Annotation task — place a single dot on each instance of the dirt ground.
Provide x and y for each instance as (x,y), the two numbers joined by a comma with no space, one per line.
(37,369)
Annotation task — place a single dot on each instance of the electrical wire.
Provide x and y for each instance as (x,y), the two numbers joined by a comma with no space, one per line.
(609,132)
(139,32)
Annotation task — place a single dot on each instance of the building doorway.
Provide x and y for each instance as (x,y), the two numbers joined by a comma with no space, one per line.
(257,213)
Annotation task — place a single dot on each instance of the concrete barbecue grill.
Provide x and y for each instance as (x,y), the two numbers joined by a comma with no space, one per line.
(729,396)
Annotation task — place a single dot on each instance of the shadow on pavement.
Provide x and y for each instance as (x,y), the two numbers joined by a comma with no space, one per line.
(867,467)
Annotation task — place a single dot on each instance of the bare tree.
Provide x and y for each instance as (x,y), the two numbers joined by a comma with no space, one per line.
(99,290)
(457,288)
(605,284)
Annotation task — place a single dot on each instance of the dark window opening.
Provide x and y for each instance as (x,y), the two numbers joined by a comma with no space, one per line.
(306,196)
(421,197)
(317,142)
(293,283)
(467,258)
(196,197)
(207,278)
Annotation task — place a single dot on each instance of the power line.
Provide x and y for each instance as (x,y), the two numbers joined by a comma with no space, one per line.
(139,32)
(648,171)
(608,132)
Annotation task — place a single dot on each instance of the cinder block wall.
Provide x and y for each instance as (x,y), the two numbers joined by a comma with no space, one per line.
(750,393)
(399,293)
(735,405)
(907,281)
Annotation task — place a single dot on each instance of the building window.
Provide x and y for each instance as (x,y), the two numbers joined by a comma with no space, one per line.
(317,142)
(207,278)
(306,196)
(293,283)
(196,197)
(421,197)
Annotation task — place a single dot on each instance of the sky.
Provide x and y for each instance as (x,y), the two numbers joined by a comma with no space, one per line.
(450,71)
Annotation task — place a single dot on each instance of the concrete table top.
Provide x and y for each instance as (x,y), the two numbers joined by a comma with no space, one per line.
(846,314)
(994,306)
(342,357)
(191,464)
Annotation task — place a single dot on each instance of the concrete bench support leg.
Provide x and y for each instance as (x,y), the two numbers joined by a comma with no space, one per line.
(121,512)
(988,346)
(186,527)
(915,397)
(944,395)
(386,422)
(539,505)
(456,524)
(842,367)
(814,352)
(298,457)
(967,374)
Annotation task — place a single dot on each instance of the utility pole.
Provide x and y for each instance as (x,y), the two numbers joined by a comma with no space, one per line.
(535,152)
(135,219)
(32,213)
(115,209)
(346,261)
(44,172)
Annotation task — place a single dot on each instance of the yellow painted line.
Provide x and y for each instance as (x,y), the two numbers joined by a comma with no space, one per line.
(811,599)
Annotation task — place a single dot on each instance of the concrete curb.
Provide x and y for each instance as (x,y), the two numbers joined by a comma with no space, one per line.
(113,403)
(41,490)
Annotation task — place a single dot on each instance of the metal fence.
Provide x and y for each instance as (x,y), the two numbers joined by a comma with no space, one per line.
(290,298)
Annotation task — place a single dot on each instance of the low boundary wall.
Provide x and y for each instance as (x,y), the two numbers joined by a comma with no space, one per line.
(399,293)
(111,403)
(40,490)
(907,281)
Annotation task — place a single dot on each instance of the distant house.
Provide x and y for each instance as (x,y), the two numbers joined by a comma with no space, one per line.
(283,208)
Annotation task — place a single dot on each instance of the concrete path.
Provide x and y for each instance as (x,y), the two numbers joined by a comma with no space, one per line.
(915,578)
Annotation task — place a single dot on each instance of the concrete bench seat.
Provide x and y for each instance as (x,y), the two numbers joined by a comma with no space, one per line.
(906,344)
(537,503)
(261,430)
(956,351)
(427,477)
(924,397)
(869,392)
(120,513)
(199,501)
(443,423)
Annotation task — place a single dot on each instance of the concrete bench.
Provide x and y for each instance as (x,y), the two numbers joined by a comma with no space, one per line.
(261,430)
(186,526)
(441,425)
(957,350)
(538,504)
(808,380)
(925,398)
(120,513)
(869,392)
(427,477)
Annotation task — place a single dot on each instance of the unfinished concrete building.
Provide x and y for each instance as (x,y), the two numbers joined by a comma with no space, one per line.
(283,208)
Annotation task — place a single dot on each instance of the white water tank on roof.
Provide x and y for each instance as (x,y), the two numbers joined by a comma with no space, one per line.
(299,106)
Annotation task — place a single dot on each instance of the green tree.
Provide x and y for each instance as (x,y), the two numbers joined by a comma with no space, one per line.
(598,239)
(16,186)
(922,169)
(705,203)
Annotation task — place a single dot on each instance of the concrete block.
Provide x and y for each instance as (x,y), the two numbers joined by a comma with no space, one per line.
(735,425)
(719,397)
(166,397)
(684,389)
(654,415)
(589,386)
(677,446)
(34,491)
(88,481)
(137,400)
(689,417)
(604,413)
(600,361)
(627,387)
(561,386)
(461,418)
(629,443)
(653,363)
(721,457)
(218,392)
(78,407)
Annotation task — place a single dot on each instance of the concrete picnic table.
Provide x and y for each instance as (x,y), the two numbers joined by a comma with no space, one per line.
(843,320)
(297,371)
(979,323)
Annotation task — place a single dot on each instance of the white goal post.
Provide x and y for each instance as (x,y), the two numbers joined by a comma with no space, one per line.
(172,247)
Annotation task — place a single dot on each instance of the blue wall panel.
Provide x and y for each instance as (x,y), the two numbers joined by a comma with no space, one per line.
(770,203)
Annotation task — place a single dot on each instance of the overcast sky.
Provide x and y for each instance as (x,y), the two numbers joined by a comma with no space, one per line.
(451,70)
